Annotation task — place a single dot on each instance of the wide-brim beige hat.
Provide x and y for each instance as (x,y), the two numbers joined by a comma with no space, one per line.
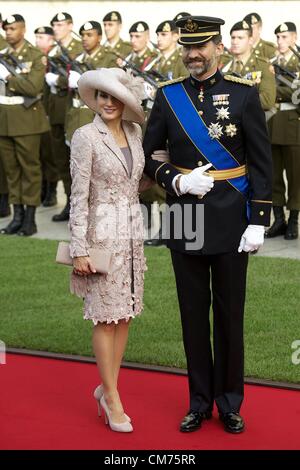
(118,83)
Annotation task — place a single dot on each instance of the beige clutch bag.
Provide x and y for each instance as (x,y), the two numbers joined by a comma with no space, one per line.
(101,259)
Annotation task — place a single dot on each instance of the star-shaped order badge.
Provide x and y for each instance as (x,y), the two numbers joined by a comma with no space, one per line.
(222,113)
(231,130)
(215,130)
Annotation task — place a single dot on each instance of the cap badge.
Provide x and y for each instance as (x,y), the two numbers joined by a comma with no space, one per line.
(167,28)
(140,28)
(61,17)
(191,26)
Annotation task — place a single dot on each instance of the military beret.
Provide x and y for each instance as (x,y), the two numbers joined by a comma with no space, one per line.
(113,16)
(180,15)
(241,26)
(44,30)
(62,16)
(286,27)
(166,27)
(198,29)
(139,27)
(91,25)
(252,18)
(13,19)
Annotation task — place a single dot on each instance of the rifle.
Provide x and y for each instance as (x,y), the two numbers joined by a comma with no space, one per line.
(294,51)
(28,100)
(136,71)
(279,70)
(56,67)
(72,64)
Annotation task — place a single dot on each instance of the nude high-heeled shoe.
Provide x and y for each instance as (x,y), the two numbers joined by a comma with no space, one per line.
(118,427)
(98,393)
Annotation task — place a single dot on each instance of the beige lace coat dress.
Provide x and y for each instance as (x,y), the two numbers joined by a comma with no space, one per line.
(105,213)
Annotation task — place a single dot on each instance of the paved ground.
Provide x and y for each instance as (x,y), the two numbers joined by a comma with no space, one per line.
(59,231)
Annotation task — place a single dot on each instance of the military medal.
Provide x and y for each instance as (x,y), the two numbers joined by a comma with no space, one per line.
(215,130)
(231,130)
(222,113)
(220,99)
(201,95)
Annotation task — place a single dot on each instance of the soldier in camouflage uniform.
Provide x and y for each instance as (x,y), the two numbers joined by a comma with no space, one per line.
(261,48)
(112,22)
(69,48)
(22,121)
(248,65)
(44,41)
(94,56)
(4,206)
(285,137)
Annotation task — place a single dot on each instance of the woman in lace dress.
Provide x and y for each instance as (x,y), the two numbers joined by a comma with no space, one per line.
(107,164)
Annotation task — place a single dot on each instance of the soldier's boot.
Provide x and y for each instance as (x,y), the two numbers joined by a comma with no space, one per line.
(28,226)
(65,213)
(16,222)
(292,226)
(4,205)
(279,226)
(50,198)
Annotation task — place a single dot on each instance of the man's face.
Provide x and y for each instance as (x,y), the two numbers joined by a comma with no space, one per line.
(166,40)
(62,29)
(284,40)
(256,31)
(201,58)
(139,41)
(14,32)
(241,42)
(112,29)
(90,39)
(44,42)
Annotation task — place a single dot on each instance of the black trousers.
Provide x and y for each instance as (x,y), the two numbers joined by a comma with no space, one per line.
(217,280)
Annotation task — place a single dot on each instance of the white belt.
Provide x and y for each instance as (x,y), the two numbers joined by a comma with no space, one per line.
(287,106)
(76,103)
(11,100)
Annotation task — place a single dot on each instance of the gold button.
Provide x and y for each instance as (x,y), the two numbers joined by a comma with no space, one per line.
(200,163)
(34,109)
(261,213)
(163,185)
(167,172)
(200,112)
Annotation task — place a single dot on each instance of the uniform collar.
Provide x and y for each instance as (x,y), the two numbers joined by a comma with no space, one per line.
(206,84)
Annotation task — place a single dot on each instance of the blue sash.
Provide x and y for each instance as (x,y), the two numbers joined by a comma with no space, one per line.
(196,130)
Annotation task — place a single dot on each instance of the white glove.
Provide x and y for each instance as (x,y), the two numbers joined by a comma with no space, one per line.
(149,91)
(73,79)
(196,182)
(252,239)
(4,73)
(51,78)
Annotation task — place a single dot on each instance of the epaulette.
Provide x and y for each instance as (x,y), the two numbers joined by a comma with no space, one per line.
(170,82)
(269,43)
(242,81)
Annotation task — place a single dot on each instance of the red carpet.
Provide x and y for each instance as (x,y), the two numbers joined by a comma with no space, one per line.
(48,404)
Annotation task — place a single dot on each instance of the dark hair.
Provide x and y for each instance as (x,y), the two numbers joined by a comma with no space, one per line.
(217,39)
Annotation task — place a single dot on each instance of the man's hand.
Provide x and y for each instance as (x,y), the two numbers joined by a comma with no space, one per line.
(252,239)
(4,73)
(51,78)
(73,79)
(196,182)
(82,266)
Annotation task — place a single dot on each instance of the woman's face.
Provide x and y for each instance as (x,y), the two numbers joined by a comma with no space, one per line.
(109,107)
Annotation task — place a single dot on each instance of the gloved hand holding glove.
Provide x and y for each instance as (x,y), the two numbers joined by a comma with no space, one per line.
(73,79)
(252,239)
(4,73)
(51,78)
(196,182)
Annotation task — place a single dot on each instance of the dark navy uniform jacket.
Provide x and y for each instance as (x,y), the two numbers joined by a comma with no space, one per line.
(225,212)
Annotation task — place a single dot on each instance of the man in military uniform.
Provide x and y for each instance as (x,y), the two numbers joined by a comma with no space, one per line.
(4,206)
(44,41)
(112,22)
(250,66)
(285,137)
(68,48)
(216,134)
(261,47)
(22,121)
(93,57)
(180,15)
(141,56)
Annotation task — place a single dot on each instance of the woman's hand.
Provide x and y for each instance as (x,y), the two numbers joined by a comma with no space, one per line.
(82,265)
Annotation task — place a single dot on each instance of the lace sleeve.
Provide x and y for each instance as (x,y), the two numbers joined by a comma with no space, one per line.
(80,167)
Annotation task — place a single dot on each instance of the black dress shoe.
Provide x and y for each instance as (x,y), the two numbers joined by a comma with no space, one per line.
(233,422)
(193,420)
